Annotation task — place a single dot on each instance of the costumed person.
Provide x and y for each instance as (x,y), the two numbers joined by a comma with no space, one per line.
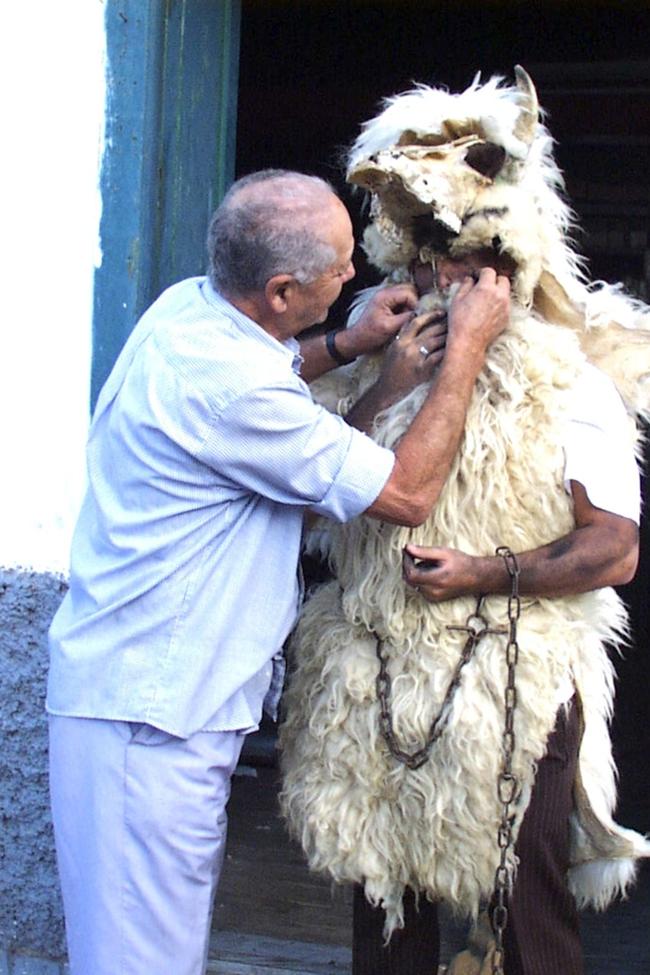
(205,450)
(446,733)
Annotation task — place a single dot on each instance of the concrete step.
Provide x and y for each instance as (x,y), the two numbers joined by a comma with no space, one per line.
(232,953)
(239,968)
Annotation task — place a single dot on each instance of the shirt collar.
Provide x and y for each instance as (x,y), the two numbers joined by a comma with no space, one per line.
(290,347)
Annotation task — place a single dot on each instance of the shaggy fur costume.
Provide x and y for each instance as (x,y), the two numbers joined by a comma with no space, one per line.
(360,815)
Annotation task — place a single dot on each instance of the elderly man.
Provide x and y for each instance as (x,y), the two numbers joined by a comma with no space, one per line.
(204,453)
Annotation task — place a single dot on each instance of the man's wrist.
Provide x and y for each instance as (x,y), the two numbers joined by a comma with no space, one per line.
(464,354)
(492,575)
(338,352)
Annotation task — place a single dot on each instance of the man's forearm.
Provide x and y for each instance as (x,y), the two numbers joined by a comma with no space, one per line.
(581,561)
(317,360)
(367,407)
(424,455)
(601,551)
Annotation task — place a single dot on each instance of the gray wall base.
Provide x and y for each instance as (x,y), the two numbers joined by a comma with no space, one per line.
(31,918)
(18,964)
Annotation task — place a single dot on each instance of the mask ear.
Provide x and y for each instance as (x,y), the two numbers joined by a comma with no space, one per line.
(526,125)
(613,334)
(552,303)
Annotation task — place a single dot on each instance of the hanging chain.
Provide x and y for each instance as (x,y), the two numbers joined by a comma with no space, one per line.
(476,627)
(507,784)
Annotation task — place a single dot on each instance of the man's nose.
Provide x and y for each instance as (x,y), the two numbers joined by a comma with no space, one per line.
(350,273)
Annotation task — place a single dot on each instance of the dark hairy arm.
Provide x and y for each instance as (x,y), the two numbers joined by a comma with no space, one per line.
(602,550)
(386,313)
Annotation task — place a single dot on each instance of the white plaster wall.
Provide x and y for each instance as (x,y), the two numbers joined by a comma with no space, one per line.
(52,84)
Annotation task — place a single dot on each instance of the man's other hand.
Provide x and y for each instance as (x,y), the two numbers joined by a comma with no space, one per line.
(389,310)
(411,358)
(438,574)
(479,312)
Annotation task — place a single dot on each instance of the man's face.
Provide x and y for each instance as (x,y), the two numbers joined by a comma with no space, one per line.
(316,298)
(453,270)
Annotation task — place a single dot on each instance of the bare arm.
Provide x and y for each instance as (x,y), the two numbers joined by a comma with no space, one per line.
(423,457)
(387,311)
(601,551)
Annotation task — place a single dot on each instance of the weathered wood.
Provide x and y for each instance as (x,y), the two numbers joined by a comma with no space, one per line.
(273,917)
(266,886)
(275,956)
(170,153)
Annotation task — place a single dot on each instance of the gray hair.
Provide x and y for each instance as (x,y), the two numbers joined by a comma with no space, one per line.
(267,224)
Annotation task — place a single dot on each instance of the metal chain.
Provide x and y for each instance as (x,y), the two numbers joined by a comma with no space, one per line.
(507,783)
(476,627)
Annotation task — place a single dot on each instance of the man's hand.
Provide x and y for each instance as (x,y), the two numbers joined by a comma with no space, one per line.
(479,312)
(410,359)
(412,356)
(602,551)
(441,573)
(388,311)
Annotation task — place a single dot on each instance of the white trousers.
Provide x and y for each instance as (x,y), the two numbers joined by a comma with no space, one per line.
(140,828)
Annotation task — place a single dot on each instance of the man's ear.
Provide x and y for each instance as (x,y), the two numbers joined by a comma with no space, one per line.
(277,291)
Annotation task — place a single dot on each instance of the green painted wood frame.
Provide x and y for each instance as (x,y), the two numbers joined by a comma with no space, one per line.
(172,72)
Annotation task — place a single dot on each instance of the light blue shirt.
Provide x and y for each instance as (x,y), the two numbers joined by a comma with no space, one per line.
(205,449)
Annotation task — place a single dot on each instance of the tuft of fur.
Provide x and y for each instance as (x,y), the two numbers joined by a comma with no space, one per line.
(491,110)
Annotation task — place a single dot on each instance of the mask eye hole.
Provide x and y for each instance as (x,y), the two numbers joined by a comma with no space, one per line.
(486,158)
(428,232)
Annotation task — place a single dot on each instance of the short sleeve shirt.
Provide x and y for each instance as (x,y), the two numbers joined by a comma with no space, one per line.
(205,449)
(599,446)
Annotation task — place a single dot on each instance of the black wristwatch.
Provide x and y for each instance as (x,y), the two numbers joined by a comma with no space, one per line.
(333,351)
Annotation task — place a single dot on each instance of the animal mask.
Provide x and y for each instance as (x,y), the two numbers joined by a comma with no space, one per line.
(452,174)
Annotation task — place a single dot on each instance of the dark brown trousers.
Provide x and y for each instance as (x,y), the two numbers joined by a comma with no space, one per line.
(542,936)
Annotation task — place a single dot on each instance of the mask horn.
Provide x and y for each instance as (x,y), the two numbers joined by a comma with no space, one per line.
(527,121)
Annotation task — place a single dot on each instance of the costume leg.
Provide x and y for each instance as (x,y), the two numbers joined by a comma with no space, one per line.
(413,950)
(542,934)
(140,827)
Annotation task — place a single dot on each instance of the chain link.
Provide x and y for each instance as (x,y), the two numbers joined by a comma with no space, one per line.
(507,784)
(416,759)
(476,627)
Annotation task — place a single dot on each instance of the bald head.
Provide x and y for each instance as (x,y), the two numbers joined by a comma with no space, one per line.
(271,222)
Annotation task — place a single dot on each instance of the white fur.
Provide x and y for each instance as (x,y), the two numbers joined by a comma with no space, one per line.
(493,107)
(359,814)
(597,882)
